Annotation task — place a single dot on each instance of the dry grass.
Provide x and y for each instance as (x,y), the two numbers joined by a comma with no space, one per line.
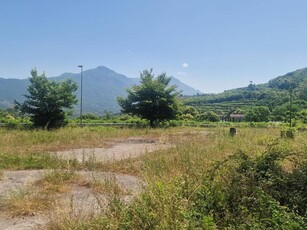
(25,202)
(21,149)
(58,181)
(195,151)
(109,186)
(22,141)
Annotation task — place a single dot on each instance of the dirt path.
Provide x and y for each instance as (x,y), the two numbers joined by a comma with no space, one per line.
(129,148)
(79,200)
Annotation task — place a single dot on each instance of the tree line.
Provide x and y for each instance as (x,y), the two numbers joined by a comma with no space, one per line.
(48,104)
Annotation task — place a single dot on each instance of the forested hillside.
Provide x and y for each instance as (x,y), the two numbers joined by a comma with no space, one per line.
(273,96)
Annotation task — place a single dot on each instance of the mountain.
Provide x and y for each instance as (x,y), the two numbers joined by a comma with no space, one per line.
(292,79)
(12,89)
(101,87)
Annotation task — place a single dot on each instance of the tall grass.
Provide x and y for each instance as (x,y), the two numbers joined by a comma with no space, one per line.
(29,149)
(215,181)
(207,180)
(25,202)
(25,141)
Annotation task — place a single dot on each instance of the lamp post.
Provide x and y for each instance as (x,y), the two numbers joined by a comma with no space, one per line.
(291,99)
(81,66)
(251,103)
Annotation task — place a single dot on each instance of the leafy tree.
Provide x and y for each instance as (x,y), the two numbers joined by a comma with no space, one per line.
(48,101)
(190,110)
(258,114)
(153,99)
(302,93)
(303,116)
(209,116)
(282,113)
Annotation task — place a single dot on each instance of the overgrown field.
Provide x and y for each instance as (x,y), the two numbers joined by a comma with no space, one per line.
(206,180)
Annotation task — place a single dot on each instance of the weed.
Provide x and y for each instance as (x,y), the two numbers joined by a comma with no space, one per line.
(15,161)
(208,180)
(257,193)
(58,181)
(202,184)
(25,202)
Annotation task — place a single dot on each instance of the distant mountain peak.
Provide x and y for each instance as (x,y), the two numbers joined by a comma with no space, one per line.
(103,69)
(101,87)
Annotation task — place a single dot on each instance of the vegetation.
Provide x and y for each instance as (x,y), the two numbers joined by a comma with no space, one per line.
(265,102)
(24,202)
(282,100)
(258,114)
(256,180)
(153,99)
(47,101)
(207,180)
(209,116)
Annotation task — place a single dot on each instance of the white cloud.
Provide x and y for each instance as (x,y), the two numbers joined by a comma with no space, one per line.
(185,65)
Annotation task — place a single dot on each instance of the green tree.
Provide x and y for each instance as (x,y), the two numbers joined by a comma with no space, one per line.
(282,112)
(303,115)
(209,116)
(48,101)
(190,110)
(258,114)
(302,91)
(153,99)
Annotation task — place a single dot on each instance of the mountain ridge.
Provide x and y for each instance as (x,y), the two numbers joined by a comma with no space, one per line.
(275,95)
(101,87)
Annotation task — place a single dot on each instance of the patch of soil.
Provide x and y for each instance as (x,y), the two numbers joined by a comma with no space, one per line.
(81,200)
(117,151)
(16,180)
(23,223)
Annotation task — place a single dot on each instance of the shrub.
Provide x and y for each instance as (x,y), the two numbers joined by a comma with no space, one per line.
(209,116)
(257,194)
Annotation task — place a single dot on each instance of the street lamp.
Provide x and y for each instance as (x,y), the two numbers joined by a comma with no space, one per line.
(251,102)
(81,66)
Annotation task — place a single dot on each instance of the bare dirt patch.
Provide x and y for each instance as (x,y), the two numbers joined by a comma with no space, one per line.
(80,200)
(88,198)
(130,148)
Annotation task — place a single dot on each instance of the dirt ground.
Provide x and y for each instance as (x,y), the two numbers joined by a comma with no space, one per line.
(78,200)
(132,147)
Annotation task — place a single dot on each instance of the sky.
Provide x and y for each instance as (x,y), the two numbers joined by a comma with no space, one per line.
(210,45)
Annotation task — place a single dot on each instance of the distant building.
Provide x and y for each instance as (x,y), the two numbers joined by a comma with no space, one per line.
(237,117)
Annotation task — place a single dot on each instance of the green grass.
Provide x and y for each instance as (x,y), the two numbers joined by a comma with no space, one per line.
(22,149)
(13,161)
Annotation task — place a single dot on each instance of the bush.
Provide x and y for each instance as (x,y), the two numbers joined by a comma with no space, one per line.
(258,194)
(208,116)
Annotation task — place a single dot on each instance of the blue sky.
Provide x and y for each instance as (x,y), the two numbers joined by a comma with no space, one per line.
(210,45)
